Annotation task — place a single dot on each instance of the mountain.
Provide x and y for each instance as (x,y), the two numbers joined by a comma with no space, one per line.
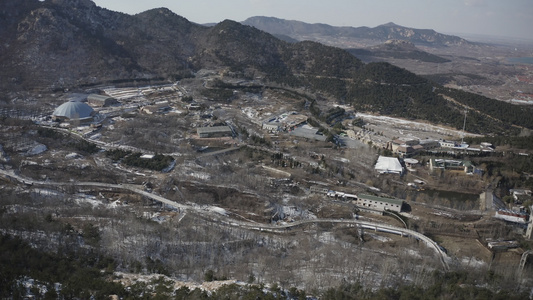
(59,43)
(55,45)
(363,36)
(396,49)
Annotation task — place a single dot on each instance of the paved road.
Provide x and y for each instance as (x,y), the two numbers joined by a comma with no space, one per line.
(206,211)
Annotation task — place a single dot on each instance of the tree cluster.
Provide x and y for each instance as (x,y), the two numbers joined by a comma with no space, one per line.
(79,273)
(156,163)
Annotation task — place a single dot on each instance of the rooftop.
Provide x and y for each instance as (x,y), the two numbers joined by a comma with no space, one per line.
(381,199)
(213,129)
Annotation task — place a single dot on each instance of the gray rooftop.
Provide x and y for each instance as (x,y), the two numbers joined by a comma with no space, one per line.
(214,129)
(73,110)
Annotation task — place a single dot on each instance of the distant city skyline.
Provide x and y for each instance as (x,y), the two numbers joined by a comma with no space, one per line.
(513,18)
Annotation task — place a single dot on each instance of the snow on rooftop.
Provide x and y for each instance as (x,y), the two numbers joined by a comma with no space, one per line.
(388,165)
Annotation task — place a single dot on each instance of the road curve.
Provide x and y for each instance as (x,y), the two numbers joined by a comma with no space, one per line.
(10,175)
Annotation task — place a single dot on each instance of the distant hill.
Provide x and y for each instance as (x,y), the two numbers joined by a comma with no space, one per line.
(55,45)
(365,36)
(396,49)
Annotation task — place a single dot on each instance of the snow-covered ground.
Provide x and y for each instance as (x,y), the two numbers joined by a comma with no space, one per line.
(128,279)
(405,128)
(93,201)
(473,262)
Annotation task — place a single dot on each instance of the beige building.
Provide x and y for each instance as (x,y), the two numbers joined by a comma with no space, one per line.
(379,203)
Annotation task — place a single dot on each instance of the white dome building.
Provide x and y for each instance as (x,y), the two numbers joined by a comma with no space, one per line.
(73,110)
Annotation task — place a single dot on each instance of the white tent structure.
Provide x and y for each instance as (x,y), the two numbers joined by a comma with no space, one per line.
(388,165)
(73,110)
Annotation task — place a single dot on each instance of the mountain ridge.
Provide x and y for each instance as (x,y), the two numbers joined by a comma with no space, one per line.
(57,45)
(379,34)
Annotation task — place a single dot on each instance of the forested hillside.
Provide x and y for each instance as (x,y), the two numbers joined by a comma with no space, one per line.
(81,274)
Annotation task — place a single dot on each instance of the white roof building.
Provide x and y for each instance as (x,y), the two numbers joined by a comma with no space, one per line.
(388,165)
(73,110)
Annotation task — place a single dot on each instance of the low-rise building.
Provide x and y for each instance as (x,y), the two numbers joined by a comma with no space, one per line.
(452,165)
(379,203)
(388,165)
(285,121)
(447,144)
(406,141)
(156,109)
(272,126)
(215,131)
(101,100)
(405,150)
(364,201)
(308,132)
(319,189)
(429,144)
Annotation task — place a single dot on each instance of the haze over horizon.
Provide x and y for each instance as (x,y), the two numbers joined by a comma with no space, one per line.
(512,18)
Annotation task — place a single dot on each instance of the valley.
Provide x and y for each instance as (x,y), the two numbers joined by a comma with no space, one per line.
(247,192)
(152,157)
(497,68)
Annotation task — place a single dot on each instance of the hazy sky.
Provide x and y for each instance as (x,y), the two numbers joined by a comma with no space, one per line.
(511,18)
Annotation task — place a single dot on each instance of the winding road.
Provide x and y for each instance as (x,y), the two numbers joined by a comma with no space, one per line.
(207,212)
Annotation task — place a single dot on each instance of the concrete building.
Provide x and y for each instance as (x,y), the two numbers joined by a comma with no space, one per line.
(379,203)
(215,131)
(364,201)
(285,121)
(319,189)
(452,165)
(101,100)
(429,144)
(405,151)
(293,120)
(271,126)
(308,133)
(405,141)
(405,147)
(447,144)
